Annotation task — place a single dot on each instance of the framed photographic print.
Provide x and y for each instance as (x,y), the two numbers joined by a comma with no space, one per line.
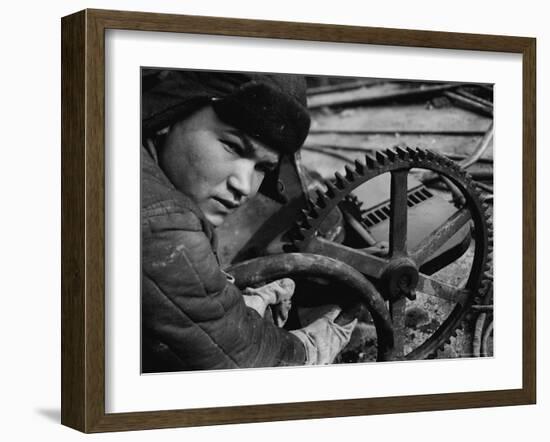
(320,221)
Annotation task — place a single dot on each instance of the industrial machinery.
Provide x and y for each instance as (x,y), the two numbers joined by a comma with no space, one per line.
(373,236)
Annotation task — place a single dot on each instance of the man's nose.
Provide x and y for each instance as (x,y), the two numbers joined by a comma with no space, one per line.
(243,180)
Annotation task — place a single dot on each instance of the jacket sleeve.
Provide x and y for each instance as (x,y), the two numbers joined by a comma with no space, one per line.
(189,306)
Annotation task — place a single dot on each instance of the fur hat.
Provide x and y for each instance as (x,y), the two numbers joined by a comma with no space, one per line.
(269,107)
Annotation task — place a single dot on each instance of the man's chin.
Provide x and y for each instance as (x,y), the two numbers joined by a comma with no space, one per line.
(216,219)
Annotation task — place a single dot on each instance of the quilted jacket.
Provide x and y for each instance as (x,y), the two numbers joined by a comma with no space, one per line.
(193,318)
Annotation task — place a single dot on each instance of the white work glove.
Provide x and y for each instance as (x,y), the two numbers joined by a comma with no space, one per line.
(278,294)
(324,339)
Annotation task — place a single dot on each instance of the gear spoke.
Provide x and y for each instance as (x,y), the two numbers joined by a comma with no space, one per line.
(432,287)
(362,261)
(397,273)
(433,242)
(398,212)
(397,312)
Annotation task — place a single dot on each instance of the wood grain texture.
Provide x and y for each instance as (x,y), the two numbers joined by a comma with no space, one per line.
(529,221)
(73,257)
(306,31)
(95,222)
(83,219)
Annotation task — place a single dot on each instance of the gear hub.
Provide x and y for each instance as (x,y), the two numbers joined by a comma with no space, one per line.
(398,273)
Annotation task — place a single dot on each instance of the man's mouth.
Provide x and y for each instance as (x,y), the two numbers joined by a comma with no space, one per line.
(228,204)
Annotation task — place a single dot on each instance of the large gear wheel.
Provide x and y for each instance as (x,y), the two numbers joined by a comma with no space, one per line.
(398,273)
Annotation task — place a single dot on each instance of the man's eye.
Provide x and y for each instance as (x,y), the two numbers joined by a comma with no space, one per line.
(233,147)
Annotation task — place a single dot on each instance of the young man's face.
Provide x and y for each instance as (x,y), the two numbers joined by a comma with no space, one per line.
(214,164)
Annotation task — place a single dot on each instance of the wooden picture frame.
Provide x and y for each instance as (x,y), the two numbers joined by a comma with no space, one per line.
(83,220)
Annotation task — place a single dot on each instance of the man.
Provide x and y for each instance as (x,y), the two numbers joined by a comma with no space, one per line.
(209,139)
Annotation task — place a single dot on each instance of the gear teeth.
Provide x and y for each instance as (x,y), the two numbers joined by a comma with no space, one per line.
(321,199)
(340,181)
(381,158)
(421,154)
(412,153)
(455,166)
(313,212)
(401,153)
(447,162)
(296,234)
(350,174)
(370,161)
(331,189)
(359,167)
(377,163)
(391,154)
(452,165)
(306,219)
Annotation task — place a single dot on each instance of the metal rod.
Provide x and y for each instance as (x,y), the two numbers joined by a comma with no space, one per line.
(480,149)
(476,344)
(484,187)
(348,85)
(474,97)
(431,287)
(359,228)
(469,104)
(398,212)
(397,311)
(440,236)
(458,197)
(417,93)
(465,133)
(485,339)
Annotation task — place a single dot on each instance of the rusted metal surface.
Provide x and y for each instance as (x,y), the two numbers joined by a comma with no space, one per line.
(363,261)
(261,270)
(468,103)
(341,135)
(398,212)
(439,289)
(440,236)
(397,311)
(397,277)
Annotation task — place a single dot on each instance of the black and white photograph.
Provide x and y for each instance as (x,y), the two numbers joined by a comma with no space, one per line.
(334,227)
(301,220)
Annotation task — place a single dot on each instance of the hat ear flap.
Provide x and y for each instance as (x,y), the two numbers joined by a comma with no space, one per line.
(270,186)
